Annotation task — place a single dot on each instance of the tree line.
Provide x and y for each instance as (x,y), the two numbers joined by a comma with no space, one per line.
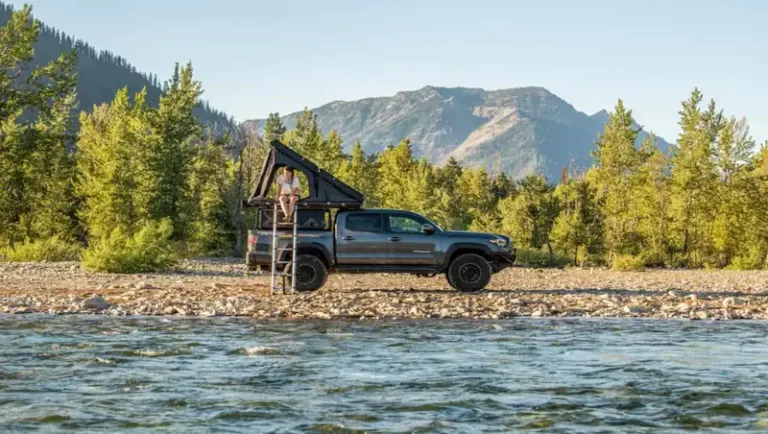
(140,184)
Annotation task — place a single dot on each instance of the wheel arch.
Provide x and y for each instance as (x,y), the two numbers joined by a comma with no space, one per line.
(461,248)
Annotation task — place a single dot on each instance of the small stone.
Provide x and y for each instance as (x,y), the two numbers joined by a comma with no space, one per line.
(635,309)
(683,308)
(693,297)
(170,310)
(217,285)
(96,302)
(74,267)
(674,293)
(702,314)
(538,313)
(208,313)
(143,285)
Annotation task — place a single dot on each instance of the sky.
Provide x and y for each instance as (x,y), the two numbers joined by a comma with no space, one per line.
(255,57)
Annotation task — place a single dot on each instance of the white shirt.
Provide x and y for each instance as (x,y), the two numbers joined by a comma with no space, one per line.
(286,186)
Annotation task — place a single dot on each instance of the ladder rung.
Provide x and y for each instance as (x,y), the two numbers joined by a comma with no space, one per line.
(284,262)
(284,249)
(284,237)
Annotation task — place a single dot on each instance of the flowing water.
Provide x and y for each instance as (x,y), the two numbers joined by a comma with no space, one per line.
(108,374)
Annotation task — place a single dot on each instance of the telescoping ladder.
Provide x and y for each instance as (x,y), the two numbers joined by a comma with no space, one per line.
(284,243)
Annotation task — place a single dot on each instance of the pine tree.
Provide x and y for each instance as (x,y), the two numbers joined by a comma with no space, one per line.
(528,218)
(694,183)
(650,202)
(732,154)
(112,164)
(476,199)
(273,128)
(359,172)
(394,166)
(169,163)
(577,229)
(36,136)
(305,138)
(613,176)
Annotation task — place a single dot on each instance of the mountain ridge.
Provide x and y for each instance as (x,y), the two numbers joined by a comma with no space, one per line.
(518,130)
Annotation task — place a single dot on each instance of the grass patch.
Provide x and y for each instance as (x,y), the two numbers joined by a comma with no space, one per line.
(540,258)
(149,249)
(52,249)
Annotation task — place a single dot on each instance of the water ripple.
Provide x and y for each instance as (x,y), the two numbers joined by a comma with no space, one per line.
(104,374)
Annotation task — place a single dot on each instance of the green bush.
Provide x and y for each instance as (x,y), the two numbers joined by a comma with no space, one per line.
(540,258)
(628,263)
(149,249)
(53,249)
(754,259)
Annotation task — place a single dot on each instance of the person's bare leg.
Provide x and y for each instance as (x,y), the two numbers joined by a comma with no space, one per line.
(285,206)
(292,205)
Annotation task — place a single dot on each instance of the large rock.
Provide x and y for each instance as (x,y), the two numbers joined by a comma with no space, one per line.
(96,303)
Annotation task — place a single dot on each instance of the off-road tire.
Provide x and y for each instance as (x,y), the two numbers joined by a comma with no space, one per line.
(469,272)
(311,273)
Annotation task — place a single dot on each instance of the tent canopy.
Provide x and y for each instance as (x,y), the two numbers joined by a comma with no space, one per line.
(325,191)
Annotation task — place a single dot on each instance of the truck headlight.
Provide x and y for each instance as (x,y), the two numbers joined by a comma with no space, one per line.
(499,242)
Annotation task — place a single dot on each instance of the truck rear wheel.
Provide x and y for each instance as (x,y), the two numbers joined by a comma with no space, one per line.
(469,272)
(311,273)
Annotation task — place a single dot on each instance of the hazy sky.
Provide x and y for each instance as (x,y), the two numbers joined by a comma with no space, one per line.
(256,57)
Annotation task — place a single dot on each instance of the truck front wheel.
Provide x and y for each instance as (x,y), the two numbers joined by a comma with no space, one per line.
(311,273)
(469,272)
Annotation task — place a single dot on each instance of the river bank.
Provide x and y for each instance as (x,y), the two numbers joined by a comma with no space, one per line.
(223,287)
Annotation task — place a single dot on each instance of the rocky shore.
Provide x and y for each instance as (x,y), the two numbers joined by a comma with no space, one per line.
(223,287)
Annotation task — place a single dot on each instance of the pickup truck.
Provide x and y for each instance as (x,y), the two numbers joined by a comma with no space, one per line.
(382,241)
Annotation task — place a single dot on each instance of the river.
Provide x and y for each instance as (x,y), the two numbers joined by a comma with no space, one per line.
(153,374)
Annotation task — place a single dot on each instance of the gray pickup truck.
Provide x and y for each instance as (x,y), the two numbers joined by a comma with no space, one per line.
(383,241)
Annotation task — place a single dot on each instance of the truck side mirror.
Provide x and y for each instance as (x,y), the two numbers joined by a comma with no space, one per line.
(427,229)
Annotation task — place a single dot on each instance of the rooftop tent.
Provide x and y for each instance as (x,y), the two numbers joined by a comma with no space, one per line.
(324,189)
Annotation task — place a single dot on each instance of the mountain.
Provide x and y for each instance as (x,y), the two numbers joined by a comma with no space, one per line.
(102,74)
(520,131)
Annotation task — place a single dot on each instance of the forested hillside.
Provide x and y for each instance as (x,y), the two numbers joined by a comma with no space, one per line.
(100,73)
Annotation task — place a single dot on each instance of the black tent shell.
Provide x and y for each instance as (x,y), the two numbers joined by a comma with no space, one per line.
(325,191)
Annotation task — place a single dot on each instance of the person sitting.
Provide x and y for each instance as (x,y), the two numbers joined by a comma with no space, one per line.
(288,191)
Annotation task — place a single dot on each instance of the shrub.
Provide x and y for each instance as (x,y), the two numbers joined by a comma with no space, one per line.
(628,263)
(149,249)
(754,259)
(52,249)
(540,258)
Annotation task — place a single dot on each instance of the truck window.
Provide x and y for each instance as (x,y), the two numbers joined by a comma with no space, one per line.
(404,224)
(363,222)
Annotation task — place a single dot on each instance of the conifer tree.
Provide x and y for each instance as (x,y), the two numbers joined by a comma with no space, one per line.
(36,136)
(694,183)
(613,176)
(360,173)
(577,229)
(112,164)
(169,163)
(528,217)
(650,203)
(273,128)
(394,166)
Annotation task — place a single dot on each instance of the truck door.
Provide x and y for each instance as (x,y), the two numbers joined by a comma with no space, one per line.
(408,245)
(360,239)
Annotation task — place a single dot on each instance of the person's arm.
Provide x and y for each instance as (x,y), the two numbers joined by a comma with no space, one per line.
(296,187)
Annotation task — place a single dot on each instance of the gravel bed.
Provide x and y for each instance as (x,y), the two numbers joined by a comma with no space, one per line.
(224,287)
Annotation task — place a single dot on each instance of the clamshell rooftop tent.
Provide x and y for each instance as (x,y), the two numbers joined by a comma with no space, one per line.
(325,191)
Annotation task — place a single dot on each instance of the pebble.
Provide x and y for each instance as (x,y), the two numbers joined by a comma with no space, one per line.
(224,289)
